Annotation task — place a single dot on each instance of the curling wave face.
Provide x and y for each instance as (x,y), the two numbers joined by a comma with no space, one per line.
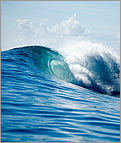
(99,72)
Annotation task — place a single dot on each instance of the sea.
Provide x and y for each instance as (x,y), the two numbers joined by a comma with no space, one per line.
(66,95)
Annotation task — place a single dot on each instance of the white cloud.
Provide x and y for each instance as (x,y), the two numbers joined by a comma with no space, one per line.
(43,29)
(24,25)
(70,27)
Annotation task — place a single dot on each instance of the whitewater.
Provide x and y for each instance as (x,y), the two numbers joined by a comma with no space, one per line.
(59,86)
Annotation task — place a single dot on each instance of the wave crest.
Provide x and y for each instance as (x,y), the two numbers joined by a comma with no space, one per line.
(97,71)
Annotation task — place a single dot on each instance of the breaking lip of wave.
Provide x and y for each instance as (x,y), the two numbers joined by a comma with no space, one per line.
(94,68)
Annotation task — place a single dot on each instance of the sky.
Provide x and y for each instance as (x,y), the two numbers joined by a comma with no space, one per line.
(101,18)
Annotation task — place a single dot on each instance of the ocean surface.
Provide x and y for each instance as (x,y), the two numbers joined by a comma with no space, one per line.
(47,96)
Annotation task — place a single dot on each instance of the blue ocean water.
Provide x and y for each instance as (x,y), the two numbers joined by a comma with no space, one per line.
(42,100)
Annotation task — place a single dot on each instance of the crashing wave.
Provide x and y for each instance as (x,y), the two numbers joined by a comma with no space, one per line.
(98,71)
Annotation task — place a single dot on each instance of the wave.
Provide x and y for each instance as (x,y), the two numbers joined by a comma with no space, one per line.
(99,72)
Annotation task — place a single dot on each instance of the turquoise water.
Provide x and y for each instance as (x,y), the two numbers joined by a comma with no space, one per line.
(43,101)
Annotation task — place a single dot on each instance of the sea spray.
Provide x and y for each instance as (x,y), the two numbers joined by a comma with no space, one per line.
(94,65)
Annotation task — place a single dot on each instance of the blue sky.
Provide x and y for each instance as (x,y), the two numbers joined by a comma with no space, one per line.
(98,16)
(102,18)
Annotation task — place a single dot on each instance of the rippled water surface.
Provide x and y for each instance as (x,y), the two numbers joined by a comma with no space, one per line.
(37,106)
